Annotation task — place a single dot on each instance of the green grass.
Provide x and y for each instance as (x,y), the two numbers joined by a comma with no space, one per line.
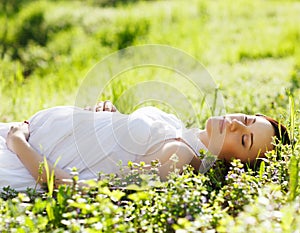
(250,47)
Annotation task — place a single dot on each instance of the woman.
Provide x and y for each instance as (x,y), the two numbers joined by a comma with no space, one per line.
(96,141)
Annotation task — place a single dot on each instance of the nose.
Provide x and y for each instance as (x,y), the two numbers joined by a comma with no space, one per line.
(236,124)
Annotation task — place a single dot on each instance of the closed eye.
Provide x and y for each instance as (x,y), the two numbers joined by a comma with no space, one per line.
(243,140)
(251,140)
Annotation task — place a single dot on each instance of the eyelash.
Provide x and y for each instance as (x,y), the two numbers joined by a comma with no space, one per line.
(243,142)
(245,122)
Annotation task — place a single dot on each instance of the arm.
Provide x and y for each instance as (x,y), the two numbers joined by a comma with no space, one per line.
(17,142)
(164,152)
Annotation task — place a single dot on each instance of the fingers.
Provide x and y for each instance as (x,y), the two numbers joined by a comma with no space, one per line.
(99,107)
(88,108)
(20,129)
(113,109)
(16,127)
(12,129)
(102,106)
(105,106)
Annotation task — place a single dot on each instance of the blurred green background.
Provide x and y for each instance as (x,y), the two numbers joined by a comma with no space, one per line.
(250,47)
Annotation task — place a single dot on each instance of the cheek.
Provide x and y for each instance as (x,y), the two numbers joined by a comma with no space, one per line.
(229,148)
(225,151)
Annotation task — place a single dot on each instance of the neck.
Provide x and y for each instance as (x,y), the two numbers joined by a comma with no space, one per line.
(211,146)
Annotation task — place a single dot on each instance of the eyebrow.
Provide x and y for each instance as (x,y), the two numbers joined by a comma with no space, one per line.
(251,141)
(251,144)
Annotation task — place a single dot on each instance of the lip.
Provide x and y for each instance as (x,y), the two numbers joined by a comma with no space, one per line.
(222,125)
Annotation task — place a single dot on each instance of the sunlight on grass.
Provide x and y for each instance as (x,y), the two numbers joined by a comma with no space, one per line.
(251,48)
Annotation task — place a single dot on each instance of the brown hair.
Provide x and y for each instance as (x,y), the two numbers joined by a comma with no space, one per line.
(281,132)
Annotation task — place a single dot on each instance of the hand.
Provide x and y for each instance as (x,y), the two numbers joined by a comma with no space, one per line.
(103,106)
(17,133)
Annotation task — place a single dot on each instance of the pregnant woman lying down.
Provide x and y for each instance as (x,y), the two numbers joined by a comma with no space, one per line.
(96,141)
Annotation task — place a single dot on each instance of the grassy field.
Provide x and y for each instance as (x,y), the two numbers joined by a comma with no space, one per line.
(251,48)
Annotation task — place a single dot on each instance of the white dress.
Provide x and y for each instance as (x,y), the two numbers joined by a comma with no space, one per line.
(92,142)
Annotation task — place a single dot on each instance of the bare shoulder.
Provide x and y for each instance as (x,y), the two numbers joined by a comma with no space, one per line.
(164,150)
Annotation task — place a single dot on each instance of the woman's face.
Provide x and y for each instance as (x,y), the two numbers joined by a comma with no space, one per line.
(240,136)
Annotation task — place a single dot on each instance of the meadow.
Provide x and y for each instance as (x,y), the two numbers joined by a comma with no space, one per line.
(250,48)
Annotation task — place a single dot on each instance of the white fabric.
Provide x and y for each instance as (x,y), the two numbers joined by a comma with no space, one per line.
(92,142)
(12,171)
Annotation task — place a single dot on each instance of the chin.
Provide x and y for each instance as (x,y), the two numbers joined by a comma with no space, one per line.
(208,127)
